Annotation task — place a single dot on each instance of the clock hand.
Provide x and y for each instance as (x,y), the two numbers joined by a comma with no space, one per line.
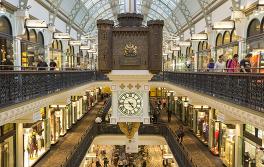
(131,105)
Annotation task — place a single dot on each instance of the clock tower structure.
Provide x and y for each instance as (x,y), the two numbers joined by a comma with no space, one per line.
(130,54)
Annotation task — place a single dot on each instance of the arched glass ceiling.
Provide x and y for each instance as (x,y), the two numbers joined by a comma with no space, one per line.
(175,13)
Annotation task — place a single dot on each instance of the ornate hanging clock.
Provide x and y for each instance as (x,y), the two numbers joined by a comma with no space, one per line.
(130,104)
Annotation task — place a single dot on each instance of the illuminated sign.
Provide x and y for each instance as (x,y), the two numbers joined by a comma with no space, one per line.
(181,43)
(75,43)
(57,35)
(84,47)
(199,37)
(224,25)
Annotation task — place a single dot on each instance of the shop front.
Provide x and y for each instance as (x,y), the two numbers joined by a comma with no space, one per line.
(227,144)
(32,48)
(253,152)
(204,55)
(6,40)
(256,45)
(226,45)
(70,59)
(189,58)
(58,122)
(36,142)
(7,145)
(56,51)
(201,122)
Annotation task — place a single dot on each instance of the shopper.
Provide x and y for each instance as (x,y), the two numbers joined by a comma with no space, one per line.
(220,65)
(52,65)
(245,65)
(98,164)
(169,114)
(106,162)
(180,134)
(155,115)
(211,65)
(233,64)
(42,65)
(144,164)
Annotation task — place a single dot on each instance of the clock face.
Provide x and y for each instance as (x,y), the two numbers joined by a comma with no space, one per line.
(130,103)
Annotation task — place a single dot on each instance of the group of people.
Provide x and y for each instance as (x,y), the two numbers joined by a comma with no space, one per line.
(7,64)
(231,65)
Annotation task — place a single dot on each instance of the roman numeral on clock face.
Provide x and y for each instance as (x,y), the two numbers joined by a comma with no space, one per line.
(130,103)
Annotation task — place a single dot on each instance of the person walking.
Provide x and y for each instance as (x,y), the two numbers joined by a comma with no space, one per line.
(169,114)
(180,134)
(211,65)
(233,64)
(52,65)
(245,65)
(106,162)
(220,65)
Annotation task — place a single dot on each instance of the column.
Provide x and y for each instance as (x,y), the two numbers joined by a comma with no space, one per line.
(19,145)
(211,114)
(113,119)
(238,144)
(17,53)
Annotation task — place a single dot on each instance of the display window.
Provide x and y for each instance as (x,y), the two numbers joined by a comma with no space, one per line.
(204,55)
(56,51)
(69,121)
(32,48)
(7,145)
(58,122)
(215,138)
(253,153)
(256,45)
(202,124)
(226,45)
(70,61)
(6,41)
(189,57)
(34,142)
(227,145)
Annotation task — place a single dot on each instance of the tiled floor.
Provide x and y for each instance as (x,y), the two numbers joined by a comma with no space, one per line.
(197,150)
(58,153)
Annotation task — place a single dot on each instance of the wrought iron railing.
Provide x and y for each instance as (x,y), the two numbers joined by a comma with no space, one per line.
(245,89)
(181,155)
(19,86)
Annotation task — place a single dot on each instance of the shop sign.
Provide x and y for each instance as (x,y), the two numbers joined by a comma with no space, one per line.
(181,43)
(36,24)
(58,35)
(91,51)
(224,25)
(175,48)
(199,37)
(261,2)
(75,43)
(85,47)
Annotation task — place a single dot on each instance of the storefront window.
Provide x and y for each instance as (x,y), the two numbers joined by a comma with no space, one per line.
(226,47)
(204,54)
(70,62)
(32,48)
(7,149)
(56,52)
(256,46)
(227,151)
(5,39)
(202,124)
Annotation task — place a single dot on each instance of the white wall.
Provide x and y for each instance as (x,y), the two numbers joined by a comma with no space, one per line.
(38,11)
(222,12)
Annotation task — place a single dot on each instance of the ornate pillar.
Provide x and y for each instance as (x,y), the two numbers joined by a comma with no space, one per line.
(238,144)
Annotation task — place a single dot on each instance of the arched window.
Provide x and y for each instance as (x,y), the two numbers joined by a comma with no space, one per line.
(40,39)
(25,36)
(234,36)
(5,26)
(200,46)
(60,45)
(253,28)
(219,40)
(262,26)
(205,45)
(32,36)
(227,38)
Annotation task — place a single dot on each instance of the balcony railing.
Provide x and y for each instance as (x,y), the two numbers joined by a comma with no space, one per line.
(181,155)
(246,89)
(19,86)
